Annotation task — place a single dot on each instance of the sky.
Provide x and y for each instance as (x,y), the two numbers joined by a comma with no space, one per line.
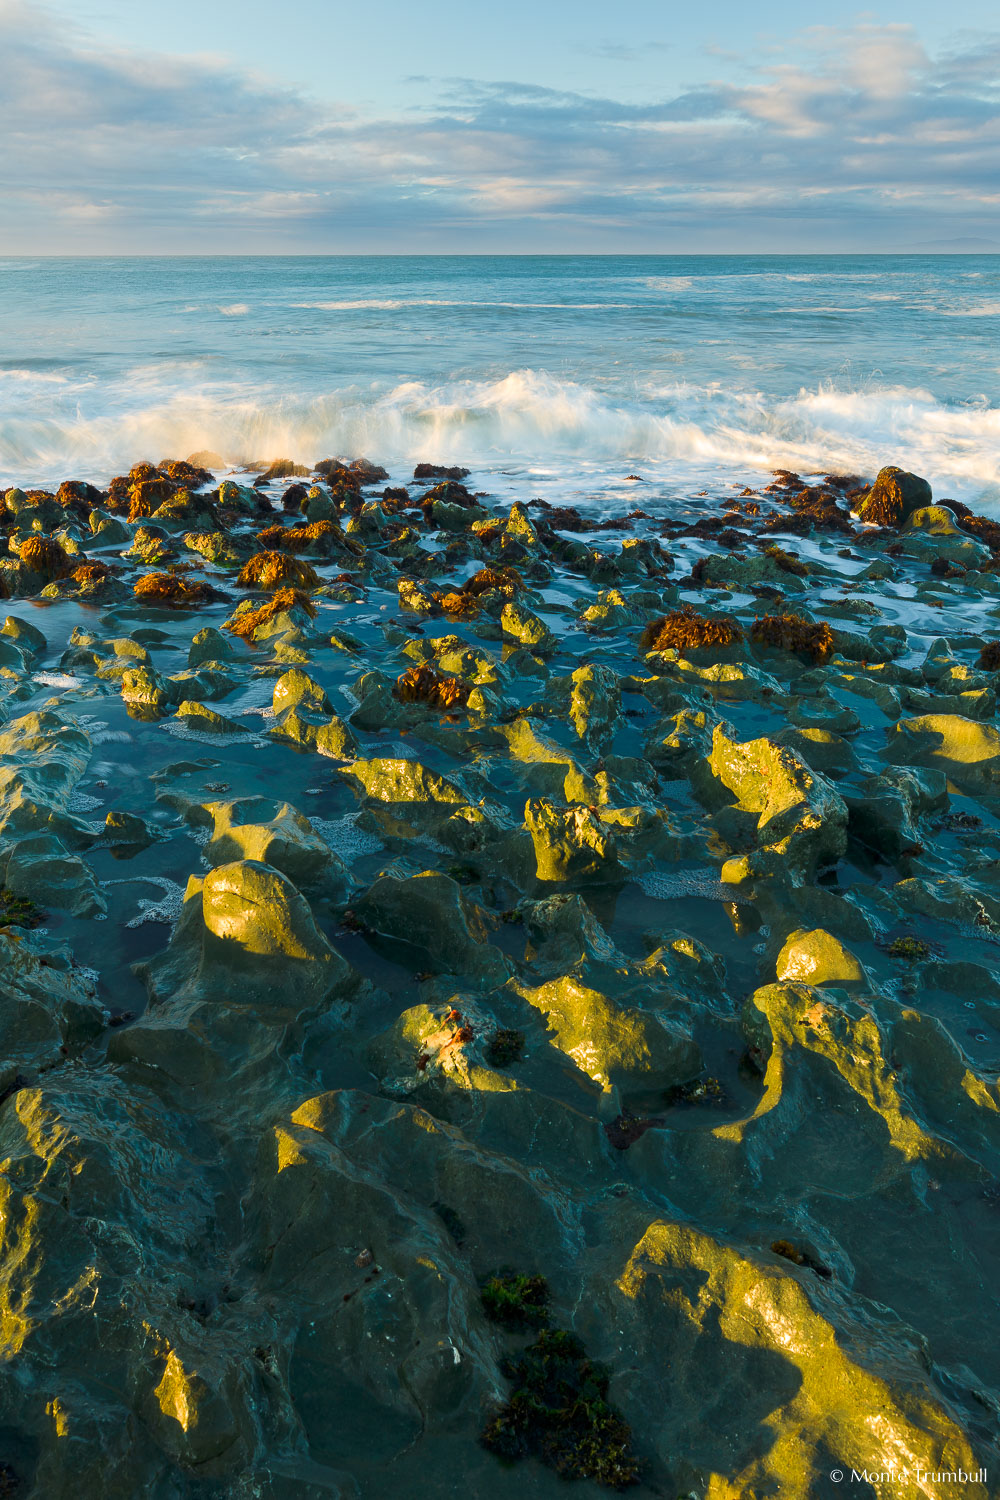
(538,126)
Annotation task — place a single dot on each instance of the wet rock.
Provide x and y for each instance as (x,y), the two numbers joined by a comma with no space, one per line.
(48,1007)
(246,937)
(968,752)
(202,720)
(209,645)
(429,914)
(282,839)
(894,496)
(817,958)
(763,1342)
(571,843)
(298,690)
(798,819)
(617,1046)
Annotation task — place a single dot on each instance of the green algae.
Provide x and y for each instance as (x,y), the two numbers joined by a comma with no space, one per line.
(559,1413)
(516,1301)
(19,911)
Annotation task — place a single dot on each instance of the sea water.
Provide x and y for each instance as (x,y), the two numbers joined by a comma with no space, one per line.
(560,373)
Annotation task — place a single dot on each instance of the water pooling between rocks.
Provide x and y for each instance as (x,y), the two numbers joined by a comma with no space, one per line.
(400,892)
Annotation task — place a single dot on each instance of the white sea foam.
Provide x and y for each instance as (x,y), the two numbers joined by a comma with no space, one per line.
(391,304)
(674,432)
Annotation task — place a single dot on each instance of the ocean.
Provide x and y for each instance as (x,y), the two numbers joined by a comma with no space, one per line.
(564,373)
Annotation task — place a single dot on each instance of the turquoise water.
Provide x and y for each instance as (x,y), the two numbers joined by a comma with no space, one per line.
(691,370)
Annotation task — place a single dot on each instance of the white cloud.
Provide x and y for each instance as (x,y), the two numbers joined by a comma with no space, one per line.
(845,137)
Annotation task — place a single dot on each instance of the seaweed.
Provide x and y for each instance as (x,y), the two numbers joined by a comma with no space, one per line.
(276,570)
(44,555)
(913,949)
(698,1091)
(625,1129)
(989,657)
(295,538)
(787,561)
(684,630)
(516,1301)
(504,1047)
(506,581)
(424,685)
(793,633)
(245,623)
(18,911)
(559,1413)
(174,590)
(91,573)
(459,606)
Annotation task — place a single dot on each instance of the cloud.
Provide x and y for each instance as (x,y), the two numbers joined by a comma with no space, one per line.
(843,139)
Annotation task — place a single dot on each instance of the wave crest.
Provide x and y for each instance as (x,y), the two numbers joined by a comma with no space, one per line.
(678,433)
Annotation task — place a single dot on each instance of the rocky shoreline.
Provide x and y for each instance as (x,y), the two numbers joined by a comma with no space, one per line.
(497,995)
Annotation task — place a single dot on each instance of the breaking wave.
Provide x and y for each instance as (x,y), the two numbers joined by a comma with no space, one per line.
(674,432)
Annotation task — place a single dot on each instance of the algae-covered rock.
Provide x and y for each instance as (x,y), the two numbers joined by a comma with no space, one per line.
(756,1347)
(519,624)
(571,843)
(894,496)
(329,736)
(297,689)
(826,1054)
(428,913)
(43,756)
(47,1007)
(39,869)
(372,1267)
(401,781)
(817,958)
(246,937)
(207,645)
(619,1047)
(968,752)
(283,839)
(595,704)
(799,818)
(202,720)
(145,688)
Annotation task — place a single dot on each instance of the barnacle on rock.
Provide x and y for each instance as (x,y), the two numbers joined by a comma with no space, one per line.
(424,685)
(793,633)
(683,630)
(276,570)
